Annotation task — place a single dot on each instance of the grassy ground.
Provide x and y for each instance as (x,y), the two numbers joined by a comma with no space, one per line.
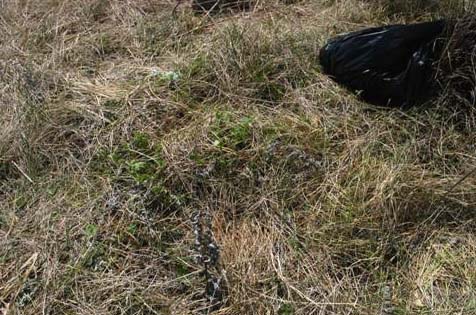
(245,183)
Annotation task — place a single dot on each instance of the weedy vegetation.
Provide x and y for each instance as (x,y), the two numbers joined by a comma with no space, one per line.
(155,161)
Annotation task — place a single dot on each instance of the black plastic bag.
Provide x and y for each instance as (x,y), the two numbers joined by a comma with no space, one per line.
(389,65)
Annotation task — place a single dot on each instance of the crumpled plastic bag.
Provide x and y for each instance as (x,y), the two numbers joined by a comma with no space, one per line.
(390,65)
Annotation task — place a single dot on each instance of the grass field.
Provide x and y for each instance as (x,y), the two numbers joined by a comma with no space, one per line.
(153,163)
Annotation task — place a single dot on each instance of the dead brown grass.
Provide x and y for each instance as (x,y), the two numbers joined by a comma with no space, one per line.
(159,164)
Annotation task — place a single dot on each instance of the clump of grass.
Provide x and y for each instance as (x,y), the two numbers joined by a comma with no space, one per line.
(253,64)
(165,33)
(443,278)
(456,66)
(140,167)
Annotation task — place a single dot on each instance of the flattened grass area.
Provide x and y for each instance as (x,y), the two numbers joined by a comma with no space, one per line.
(153,163)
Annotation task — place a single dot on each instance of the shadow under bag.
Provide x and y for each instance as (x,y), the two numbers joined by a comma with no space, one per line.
(390,65)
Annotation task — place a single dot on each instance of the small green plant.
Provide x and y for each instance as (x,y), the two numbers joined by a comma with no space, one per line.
(141,141)
(112,103)
(94,257)
(132,228)
(181,268)
(286,309)
(90,230)
(229,133)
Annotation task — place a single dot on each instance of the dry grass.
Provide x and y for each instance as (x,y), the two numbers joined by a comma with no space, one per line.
(248,184)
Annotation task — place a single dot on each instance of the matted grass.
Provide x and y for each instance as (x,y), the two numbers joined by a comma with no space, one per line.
(153,163)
